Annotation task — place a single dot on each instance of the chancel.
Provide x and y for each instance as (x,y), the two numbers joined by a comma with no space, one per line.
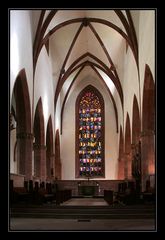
(82,119)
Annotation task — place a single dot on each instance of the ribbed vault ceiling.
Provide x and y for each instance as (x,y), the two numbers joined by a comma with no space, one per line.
(87,43)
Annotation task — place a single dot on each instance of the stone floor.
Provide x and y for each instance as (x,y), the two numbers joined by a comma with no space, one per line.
(82,224)
(85,202)
(35,224)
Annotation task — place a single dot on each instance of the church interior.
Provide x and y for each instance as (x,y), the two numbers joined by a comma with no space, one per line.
(82,119)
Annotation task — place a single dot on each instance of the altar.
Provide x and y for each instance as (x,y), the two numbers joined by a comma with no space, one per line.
(88,188)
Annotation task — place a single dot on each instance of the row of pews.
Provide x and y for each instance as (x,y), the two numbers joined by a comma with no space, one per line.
(38,194)
(129,193)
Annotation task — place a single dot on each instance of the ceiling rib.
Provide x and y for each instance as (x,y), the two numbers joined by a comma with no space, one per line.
(69,51)
(71,21)
(101,43)
(39,27)
(130,37)
(104,68)
(110,94)
(134,37)
(66,95)
(37,49)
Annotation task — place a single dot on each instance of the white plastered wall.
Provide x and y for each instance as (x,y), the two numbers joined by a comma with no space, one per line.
(20,57)
(43,87)
(68,136)
(130,85)
(146,44)
(145,30)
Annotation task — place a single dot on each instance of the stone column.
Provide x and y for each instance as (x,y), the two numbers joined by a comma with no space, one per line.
(52,160)
(40,161)
(128,165)
(133,153)
(121,166)
(136,165)
(43,163)
(25,146)
(37,157)
(147,156)
(48,167)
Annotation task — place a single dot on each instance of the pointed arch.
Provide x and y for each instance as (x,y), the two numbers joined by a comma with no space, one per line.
(148,111)
(57,156)
(89,159)
(109,92)
(136,145)
(121,174)
(49,148)
(148,129)
(128,166)
(136,124)
(21,93)
(39,145)
(23,127)
(39,132)
(99,65)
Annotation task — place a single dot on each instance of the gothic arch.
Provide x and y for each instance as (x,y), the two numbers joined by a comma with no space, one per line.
(23,109)
(148,111)
(128,162)
(49,149)
(92,89)
(136,124)
(109,92)
(57,156)
(136,145)
(39,145)
(39,124)
(148,127)
(121,156)
(23,127)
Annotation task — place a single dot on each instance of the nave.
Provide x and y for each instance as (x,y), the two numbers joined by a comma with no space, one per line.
(82,118)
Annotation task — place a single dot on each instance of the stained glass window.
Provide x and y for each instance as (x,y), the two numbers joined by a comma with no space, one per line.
(90,134)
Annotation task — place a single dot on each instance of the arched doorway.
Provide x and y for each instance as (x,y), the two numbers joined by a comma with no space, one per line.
(39,144)
(49,150)
(121,173)
(128,160)
(57,156)
(21,111)
(148,131)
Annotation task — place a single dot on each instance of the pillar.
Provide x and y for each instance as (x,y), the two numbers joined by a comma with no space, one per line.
(128,165)
(40,161)
(25,146)
(52,160)
(121,166)
(148,156)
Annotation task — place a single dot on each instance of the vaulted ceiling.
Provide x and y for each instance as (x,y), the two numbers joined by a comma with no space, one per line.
(86,43)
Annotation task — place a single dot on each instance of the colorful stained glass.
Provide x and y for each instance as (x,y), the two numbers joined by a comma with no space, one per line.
(90,136)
